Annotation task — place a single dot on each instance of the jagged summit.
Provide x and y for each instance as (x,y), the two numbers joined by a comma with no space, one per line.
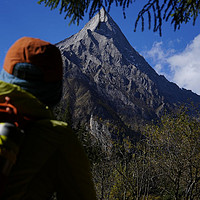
(103,30)
(92,25)
(107,79)
(102,16)
(102,24)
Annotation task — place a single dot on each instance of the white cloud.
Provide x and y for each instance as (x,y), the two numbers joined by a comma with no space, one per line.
(185,66)
(181,68)
(156,52)
(159,58)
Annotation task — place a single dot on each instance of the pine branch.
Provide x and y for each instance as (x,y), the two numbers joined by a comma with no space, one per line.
(178,11)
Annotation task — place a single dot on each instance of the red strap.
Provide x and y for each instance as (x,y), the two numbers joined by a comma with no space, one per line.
(8,113)
(7,107)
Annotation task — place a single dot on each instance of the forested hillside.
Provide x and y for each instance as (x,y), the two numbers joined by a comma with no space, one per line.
(163,164)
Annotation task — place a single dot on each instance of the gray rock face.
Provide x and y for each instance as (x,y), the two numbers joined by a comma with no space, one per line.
(108,82)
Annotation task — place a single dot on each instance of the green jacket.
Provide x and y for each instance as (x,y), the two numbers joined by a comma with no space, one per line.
(51,158)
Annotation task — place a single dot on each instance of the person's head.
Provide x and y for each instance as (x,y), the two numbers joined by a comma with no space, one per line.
(36,66)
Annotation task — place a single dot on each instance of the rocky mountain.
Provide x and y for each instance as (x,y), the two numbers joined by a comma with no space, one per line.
(108,85)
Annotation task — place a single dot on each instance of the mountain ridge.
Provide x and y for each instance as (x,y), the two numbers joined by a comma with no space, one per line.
(106,78)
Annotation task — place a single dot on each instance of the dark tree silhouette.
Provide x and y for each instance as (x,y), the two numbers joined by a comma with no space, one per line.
(157,11)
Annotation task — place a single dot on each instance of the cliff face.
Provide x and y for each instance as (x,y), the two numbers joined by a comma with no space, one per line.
(108,85)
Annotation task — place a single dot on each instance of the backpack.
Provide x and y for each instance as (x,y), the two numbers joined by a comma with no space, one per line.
(11,134)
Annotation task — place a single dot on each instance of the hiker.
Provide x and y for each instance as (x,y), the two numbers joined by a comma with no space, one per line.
(51,158)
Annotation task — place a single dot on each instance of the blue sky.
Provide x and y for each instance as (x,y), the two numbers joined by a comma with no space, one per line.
(175,54)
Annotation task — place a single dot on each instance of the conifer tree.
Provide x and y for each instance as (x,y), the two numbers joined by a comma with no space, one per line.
(177,11)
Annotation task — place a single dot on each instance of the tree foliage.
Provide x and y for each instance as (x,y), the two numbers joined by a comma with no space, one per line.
(174,146)
(163,165)
(177,11)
